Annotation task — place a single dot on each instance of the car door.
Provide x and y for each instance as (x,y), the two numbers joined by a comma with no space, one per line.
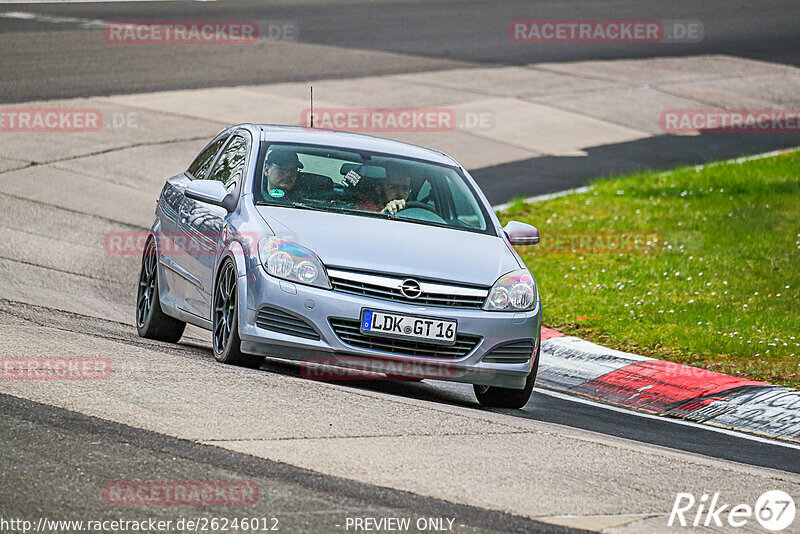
(204,224)
(178,283)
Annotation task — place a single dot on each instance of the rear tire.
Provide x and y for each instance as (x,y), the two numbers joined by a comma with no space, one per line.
(497,397)
(151,321)
(225,332)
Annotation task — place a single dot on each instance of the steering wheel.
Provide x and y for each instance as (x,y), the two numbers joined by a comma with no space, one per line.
(421,205)
(419,211)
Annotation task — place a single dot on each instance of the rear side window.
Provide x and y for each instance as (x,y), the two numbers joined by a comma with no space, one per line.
(230,165)
(200,165)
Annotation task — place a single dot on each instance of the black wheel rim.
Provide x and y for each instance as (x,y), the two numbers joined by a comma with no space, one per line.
(224,308)
(147,285)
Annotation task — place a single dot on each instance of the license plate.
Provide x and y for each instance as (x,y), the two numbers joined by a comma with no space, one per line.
(377,323)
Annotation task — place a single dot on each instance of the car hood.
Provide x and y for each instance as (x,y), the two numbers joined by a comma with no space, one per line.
(392,246)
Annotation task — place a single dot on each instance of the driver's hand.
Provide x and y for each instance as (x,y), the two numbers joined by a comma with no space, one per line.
(393,206)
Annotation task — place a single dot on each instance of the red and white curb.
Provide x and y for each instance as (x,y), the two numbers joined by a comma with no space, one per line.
(578,367)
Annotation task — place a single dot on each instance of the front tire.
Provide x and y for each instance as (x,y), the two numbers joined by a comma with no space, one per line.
(151,321)
(497,397)
(225,332)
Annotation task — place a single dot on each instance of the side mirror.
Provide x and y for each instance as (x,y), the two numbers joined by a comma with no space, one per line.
(211,192)
(521,234)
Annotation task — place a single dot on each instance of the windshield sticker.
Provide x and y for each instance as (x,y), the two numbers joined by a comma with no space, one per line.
(277,193)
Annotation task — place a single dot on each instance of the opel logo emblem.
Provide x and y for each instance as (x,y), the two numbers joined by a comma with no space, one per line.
(411,289)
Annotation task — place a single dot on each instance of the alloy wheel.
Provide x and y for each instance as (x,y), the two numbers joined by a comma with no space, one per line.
(224,307)
(147,285)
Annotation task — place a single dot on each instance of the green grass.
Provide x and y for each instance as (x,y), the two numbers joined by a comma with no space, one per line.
(718,290)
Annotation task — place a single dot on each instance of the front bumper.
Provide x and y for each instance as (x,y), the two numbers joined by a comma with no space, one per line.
(318,306)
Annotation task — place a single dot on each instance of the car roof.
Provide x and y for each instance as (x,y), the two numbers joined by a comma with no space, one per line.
(347,140)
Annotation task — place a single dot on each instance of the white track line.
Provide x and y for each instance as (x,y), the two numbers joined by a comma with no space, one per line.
(742,435)
(748,158)
(56,19)
(539,198)
(2,2)
(53,19)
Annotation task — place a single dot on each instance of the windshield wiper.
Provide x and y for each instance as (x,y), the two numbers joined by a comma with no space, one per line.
(332,209)
(352,211)
(299,205)
(376,214)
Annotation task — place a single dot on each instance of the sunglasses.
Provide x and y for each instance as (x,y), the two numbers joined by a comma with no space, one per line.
(400,187)
(284,170)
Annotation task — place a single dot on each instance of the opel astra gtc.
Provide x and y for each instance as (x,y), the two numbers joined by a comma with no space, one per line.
(346,250)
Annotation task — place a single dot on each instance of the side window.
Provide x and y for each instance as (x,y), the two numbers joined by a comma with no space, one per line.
(424,194)
(466,207)
(230,165)
(200,165)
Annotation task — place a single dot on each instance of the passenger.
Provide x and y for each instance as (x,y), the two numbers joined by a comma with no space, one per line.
(389,194)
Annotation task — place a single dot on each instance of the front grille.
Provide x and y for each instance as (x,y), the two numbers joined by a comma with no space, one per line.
(280,321)
(513,352)
(349,332)
(388,288)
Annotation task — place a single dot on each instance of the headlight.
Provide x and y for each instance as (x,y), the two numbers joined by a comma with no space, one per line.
(515,291)
(290,261)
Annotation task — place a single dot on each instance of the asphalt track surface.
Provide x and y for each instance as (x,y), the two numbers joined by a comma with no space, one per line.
(437,34)
(59,58)
(65,458)
(62,457)
(543,406)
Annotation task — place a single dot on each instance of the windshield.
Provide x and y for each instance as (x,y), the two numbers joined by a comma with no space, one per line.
(369,185)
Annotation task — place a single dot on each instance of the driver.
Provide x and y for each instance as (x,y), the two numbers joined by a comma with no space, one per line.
(280,171)
(390,194)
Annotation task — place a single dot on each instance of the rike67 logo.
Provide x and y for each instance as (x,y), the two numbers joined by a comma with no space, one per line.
(774,510)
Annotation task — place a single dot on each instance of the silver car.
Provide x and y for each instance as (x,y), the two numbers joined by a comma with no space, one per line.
(348,253)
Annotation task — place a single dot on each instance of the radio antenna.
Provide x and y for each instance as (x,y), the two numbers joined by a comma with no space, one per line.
(312,105)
